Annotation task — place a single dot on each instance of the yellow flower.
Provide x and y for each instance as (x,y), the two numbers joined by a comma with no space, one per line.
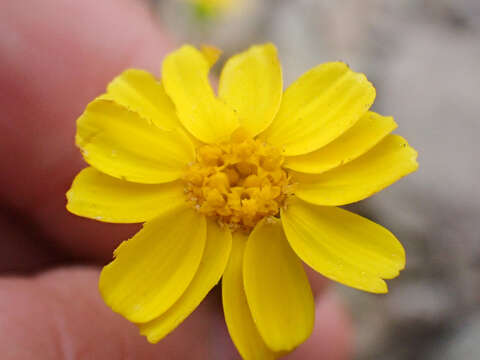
(209,8)
(242,185)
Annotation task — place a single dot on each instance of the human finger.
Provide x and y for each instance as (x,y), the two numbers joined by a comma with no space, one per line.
(59,314)
(55,57)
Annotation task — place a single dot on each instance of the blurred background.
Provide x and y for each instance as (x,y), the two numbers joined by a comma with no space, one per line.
(423,57)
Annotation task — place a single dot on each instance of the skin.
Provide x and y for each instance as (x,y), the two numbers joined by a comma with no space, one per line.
(56,56)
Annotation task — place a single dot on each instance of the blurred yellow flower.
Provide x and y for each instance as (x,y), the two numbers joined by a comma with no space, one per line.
(209,8)
(244,185)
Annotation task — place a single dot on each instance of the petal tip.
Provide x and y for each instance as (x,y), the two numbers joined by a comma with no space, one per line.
(383,289)
(211,53)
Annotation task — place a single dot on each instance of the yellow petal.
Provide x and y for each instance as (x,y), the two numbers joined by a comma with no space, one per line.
(212,266)
(239,320)
(185,77)
(317,108)
(386,163)
(211,53)
(251,83)
(152,270)
(140,92)
(277,289)
(104,198)
(361,137)
(343,246)
(121,144)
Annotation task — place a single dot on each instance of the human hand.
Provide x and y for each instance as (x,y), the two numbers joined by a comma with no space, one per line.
(54,58)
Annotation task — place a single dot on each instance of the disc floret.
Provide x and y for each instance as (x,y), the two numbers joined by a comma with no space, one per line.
(238,182)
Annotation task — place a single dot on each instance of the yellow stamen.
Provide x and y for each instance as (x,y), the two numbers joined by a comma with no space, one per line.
(238,182)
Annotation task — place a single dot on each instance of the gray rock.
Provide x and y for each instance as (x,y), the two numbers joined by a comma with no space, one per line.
(463,344)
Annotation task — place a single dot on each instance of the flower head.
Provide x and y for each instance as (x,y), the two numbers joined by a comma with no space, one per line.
(241,185)
(205,9)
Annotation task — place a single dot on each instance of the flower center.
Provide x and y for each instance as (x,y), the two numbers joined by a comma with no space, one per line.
(239,182)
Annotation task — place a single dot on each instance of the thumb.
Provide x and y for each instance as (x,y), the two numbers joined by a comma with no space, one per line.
(60,315)
(55,57)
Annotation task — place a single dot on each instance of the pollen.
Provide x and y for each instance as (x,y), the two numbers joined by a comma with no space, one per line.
(238,182)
